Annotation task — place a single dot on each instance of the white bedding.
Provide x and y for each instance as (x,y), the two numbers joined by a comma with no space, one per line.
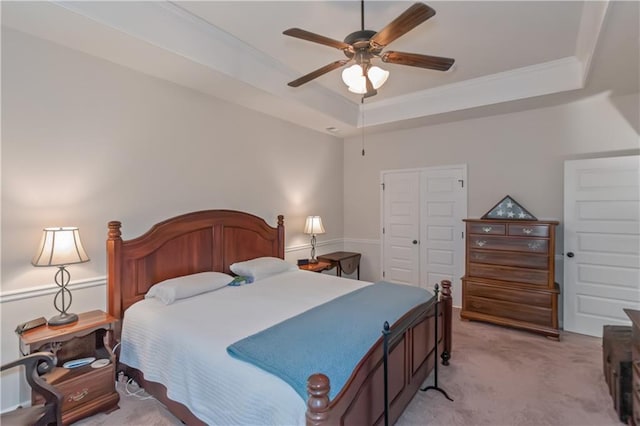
(183,346)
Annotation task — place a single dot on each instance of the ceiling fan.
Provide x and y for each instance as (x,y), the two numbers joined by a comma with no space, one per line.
(362,46)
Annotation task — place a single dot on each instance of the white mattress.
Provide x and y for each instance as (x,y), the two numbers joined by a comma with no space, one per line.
(183,346)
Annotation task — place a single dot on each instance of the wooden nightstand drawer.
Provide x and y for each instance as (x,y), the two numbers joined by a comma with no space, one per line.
(84,385)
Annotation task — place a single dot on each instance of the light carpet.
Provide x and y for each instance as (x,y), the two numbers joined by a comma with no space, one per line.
(498,376)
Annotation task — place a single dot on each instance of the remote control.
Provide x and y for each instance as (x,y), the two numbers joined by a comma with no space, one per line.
(75,363)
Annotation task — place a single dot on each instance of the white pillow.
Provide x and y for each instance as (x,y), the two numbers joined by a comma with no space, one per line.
(262,267)
(168,291)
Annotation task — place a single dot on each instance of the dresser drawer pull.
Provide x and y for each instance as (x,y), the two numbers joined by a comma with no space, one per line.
(535,245)
(487,228)
(78,395)
(527,230)
(481,243)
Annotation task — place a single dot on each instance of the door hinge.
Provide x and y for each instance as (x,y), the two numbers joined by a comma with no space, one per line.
(383,229)
(382,274)
(382,184)
(462,235)
(461,183)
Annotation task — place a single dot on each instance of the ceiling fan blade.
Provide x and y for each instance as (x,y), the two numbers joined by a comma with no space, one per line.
(316,38)
(408,20)
(415,60)
(317,73)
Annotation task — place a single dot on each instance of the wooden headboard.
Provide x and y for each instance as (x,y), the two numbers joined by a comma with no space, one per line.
(209,240)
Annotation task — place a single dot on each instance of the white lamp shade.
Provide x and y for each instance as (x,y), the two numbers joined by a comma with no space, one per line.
(352,77)
(313,225)
(60,246)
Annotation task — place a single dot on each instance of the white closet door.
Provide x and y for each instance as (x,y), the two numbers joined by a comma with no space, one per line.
(601,242)
(401,227)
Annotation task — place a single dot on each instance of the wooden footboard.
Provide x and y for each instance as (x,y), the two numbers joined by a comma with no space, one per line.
(412,356)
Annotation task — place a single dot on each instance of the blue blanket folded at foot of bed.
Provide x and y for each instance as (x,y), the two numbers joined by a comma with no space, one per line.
(331,338)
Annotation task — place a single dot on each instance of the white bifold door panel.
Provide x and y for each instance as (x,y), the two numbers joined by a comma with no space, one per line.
(422,238)
(601,242)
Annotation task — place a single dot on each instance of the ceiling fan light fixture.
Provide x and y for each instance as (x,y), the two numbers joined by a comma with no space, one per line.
(353,78)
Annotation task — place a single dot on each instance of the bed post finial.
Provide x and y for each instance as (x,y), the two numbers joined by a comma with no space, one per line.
(280,220)
(447,306)
(318,403)
(114,230)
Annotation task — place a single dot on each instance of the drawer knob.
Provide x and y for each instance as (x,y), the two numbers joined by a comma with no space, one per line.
(78,395)
(481,243)
(527,230)
(487,228)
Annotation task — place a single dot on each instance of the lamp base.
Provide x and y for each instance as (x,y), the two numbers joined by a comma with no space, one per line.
(62,319)
(313,260)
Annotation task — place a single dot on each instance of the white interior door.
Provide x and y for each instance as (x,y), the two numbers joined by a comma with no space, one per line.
(444,205)
(601,242)
(401,227)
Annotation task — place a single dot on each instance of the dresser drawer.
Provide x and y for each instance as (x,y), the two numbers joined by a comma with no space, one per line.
(522,260)
(514,311)
(528,230)
(519,275)
(528,245)
(475,289)
(487,228)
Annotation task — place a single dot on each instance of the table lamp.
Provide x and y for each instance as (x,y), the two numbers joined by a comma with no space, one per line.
(313,226)
(61,247)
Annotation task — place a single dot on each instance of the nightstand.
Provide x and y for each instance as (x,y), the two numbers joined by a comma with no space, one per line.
(316,267)
(345,261)
(87,390)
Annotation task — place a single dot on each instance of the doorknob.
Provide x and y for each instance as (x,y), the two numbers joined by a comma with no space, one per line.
(415,241)
(570,254)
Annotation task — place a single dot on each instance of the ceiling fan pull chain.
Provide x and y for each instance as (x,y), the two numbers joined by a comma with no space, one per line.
(362,14)
(362,112)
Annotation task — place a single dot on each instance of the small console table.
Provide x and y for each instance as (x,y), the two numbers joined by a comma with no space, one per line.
(344,261)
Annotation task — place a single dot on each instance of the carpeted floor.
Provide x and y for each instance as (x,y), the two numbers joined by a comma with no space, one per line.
(497,377)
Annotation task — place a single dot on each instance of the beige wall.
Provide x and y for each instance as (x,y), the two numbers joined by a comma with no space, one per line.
(519,154)
(85,141)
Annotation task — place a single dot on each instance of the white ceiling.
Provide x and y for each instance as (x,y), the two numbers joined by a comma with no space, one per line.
(509,54)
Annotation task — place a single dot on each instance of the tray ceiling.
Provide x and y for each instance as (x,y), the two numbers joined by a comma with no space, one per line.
(509,54)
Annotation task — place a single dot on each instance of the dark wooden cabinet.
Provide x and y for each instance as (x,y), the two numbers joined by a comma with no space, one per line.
(88,389)
(634,316)
(509,274)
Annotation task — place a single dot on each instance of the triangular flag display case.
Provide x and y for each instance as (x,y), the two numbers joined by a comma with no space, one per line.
(508,209)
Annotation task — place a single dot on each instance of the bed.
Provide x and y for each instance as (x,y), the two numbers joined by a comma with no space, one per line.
(213,240)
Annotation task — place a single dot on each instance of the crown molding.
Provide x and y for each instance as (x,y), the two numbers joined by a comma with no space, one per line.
(591,25)
(535,80)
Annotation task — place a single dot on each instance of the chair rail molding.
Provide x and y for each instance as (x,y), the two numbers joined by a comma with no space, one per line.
(43,290)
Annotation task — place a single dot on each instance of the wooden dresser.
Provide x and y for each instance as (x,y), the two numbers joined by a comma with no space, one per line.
(509,274)
(634,316)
